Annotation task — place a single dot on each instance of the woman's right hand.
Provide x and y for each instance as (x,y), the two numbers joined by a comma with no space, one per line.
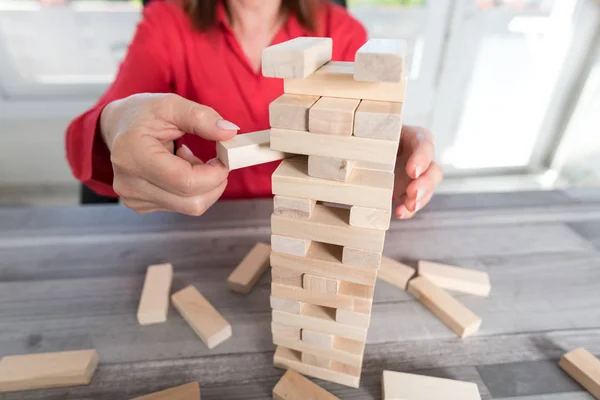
(140,131)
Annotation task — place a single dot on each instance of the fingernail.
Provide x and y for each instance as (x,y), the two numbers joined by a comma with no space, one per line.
(187,150)
(400,212)
(215,160)
(419,194)
(418,171)
(226,125)
(418,206)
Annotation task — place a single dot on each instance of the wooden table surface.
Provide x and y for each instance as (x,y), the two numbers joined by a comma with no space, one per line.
(70,278)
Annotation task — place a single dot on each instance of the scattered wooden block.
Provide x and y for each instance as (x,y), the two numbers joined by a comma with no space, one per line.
(329,225)
(287,332)
(154,302)
(47,370)
(348,301)
(283,276)
(449,310)
(316,360)
(286,305)
(289,245)
(352,148)
(335,169)
(319,339)
(322,259)
(296,58)
(347,317)
(320,322)
(378,120)
(250,269)
(248,149)
(202,317)
(346,351)
(334,116)
(380,60)
(293,386)
(456,278)
(290,111)
(361,258)
(338,373)
(336,79)
(402,386)
(189,391)
(395,273)
(373,218)
(584,368)
(318,284)
(293,207)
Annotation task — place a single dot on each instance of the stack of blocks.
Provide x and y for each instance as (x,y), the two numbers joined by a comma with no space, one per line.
(333,199)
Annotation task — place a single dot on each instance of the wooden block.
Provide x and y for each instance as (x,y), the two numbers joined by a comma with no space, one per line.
(286,305)
(47,370)
(296,58)
(202,317)
(287,332)
(449,310)
(322,259)
(316,360)
(333,116)
(395,273)
(346,351)
(378,120)
(335,169)
(293,386)
(250,269)
(380,60)
(402,386)
(338,373)
(361,258)
(373,218)
(329,225)
(374,165)
(318,284)
(343,299)
(319,322)
(293,207)
(457,279)
(289,245)
(346,317)
(584,368)
(352,148)
(154,302)
(283,276)
(290,111)
(336,79)
(248,149)
(189,391)
(318,339)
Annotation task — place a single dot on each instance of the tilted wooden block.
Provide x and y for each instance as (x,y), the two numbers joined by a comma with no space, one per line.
(248,149)
(316,360)
(583,367)
(293,207)
(361,258)
(380,60)
(202,317)
(338,373)
(353,301)
(374,151)
(286,305)
(322,259)
(402,386)
(286,332)
(336,79)
(334,116)
(296,58)
(319,322)
(250,269)
(319,339)
(289,245)
(154,302)
(457,279)
(346,317)
(395,273)
(293,386)
(378,120)
(47,370)
(373,218)
(335,169)
(189,391)
(449,310)
(290,111)
(318,284)
(346,351)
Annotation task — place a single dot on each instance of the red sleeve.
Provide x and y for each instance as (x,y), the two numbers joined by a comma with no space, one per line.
(145,69)
(347,32)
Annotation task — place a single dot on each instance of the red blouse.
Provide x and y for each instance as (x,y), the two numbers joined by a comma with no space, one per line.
(168,56)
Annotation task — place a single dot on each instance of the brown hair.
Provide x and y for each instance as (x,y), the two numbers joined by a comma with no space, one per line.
(203,13)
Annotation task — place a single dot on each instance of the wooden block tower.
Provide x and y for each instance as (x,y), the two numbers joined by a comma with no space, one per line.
(333,200)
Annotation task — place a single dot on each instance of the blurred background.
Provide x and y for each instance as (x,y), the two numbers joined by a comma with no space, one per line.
(511,88)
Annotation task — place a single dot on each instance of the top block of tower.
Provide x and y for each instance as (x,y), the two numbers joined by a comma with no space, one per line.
(296,58)
(380,60)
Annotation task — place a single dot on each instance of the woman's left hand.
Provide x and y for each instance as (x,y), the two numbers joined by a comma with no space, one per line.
(417,175)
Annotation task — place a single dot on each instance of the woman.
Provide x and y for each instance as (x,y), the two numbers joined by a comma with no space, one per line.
(194,66)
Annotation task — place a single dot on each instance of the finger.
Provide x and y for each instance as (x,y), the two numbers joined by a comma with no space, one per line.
(422,154)
(185,153)
(401,212)
(194,206)
(142,206)
(422,188)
